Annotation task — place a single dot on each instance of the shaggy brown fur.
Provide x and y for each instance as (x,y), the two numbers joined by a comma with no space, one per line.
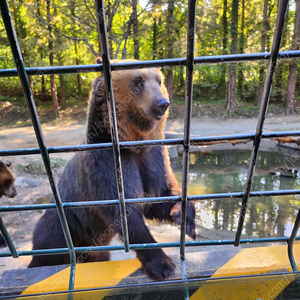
(141,104)
(7,187)
(136,93)
(7,180)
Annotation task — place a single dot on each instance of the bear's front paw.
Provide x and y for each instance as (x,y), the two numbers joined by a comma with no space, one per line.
(190,217)
(160,267)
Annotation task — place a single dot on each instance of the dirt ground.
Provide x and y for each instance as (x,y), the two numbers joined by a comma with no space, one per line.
(71,133)
(20,224)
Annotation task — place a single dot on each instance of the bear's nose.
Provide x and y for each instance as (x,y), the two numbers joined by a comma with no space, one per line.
(12,194)
(162,105)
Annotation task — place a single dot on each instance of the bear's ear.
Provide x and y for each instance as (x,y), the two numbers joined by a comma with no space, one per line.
(98,60)
(8,163)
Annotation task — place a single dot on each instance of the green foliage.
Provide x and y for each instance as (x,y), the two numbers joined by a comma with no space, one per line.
(75,41)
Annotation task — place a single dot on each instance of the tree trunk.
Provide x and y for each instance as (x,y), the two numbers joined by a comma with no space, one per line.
(154,40)
(170,28)
(160,50)
(224,44)
(43,89)
(241,51)
(278,77)
(263,49)
(231,101)
(109,12)
(31,85)
(269,33)
(62,91)
(135,30)
(52,77)
(290,97)
(78,74)
(170,85)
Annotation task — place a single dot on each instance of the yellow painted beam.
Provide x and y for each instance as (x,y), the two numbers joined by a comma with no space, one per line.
(88,275)
(251,261)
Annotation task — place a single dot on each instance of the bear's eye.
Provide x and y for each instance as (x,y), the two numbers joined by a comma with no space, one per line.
(138,85)
(139,82)
(7,183)
(159,82)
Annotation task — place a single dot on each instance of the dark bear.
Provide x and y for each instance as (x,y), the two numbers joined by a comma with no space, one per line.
(7,187)
(141,106)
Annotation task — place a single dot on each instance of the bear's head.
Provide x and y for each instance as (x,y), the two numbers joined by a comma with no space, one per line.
(7,180)
(141,102)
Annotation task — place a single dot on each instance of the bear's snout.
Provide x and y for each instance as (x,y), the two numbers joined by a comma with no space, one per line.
(11,193)
(162,105)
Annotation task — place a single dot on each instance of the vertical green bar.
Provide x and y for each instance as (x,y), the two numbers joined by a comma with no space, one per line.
(8,240)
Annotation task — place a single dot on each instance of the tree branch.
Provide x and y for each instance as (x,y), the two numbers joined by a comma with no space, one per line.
(91,13)
(85,40)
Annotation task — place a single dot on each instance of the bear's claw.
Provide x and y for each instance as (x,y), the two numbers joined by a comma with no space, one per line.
(190,217)
(160,267)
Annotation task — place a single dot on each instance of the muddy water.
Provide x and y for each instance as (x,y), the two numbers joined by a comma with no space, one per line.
(226,171)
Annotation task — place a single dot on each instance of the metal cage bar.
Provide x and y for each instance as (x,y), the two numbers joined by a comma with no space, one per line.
(282,8)
(195,141)
(220,196)
(191,25)
(152,284)
(112,116)
(171,62)
(38,131)
(8,240)
(291,242)
(148,246)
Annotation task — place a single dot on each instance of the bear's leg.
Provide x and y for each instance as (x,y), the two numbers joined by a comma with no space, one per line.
(171,212)
(156,264)
(48,234)
(159,180)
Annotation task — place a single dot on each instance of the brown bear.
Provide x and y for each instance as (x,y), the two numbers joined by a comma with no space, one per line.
(7,180)
(7,187)
(141,106)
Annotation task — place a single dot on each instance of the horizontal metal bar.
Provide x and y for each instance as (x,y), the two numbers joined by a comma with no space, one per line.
(152,200)
(148,200)
(172,62)
(195,141)
(153,284)
(148,246)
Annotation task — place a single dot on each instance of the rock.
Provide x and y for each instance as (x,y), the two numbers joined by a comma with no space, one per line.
(26,182)
(4,104)
(38,168)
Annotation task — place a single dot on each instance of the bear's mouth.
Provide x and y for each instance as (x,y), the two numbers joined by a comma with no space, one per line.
(158,111)
(157,115)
